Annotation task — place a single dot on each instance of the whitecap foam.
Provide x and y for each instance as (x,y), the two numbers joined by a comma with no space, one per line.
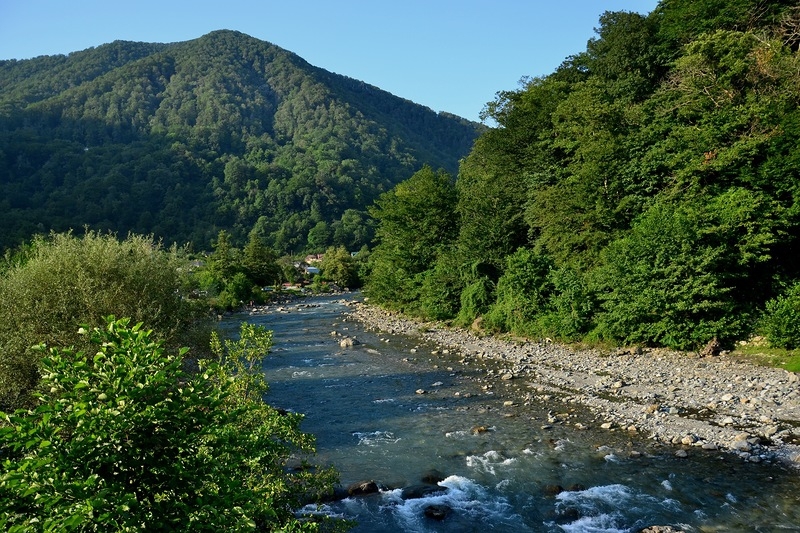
(469,502)
(383,400)
(375,438)
(603,523)
(489,461)
(609,508)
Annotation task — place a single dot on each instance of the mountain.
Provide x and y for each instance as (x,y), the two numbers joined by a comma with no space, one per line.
(184,139)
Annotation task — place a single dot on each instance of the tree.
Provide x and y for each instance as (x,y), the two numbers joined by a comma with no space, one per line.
(259,262)
(339,267)
(416,221)
(686,273)
(125,440)
(64,281)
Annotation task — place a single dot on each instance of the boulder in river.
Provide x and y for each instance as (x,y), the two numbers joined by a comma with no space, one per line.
(363,487)
(348,342)
(437,512)
(422,490)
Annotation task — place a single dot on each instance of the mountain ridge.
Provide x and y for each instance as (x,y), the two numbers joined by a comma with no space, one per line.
(281,146)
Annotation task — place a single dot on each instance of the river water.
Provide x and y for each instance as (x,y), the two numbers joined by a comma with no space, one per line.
(502,452)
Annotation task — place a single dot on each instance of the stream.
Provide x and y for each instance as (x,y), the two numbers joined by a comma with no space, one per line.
(391,410)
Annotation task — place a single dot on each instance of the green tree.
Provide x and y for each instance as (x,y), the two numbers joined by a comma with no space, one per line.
(685,273)
(125,440)
(65,281)
(416,221)
(339,267)
(260,262)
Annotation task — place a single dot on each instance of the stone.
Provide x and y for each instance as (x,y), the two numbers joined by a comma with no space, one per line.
(507,376)
(363,487)
(348,342)
(741,446)
(415,492)
(712,349)
(477,430)
(553,490)
(432,477)
(437,512)
(681,454)
(420,391)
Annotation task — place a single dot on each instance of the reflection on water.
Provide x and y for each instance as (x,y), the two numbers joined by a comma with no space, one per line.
(390,411)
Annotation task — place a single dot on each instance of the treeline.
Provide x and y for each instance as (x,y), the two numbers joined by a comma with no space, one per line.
(645,192)
(224,132)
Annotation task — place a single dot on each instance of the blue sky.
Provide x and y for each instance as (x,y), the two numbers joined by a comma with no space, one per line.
(449,55)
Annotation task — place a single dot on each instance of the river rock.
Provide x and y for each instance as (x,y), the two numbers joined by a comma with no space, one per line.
(363,487)
(348,342)
(437,512)
(432,477)
(422,490)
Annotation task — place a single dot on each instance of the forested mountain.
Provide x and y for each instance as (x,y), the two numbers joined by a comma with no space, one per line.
(223,132)
(647,191)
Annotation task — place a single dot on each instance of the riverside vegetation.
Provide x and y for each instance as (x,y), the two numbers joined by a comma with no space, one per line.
(111,426)
(646,193)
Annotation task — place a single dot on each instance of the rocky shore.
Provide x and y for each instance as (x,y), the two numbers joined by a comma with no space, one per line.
(686,400)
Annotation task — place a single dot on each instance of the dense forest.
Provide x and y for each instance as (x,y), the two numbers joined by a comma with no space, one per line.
(644,192)
(224,132)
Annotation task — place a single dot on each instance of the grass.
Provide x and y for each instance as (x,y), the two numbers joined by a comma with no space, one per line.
(766,356)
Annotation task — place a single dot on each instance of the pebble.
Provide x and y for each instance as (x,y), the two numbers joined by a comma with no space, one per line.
(712,399)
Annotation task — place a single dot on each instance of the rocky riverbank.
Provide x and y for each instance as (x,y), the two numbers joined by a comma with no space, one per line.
(692,402)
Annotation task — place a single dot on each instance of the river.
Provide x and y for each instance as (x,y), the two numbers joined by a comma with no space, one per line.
(391,410)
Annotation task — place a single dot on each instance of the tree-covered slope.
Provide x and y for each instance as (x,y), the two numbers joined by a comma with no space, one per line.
(222,132)
(647,191)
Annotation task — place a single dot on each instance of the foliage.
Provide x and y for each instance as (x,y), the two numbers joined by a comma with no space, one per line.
(781,321)
(340,267)
(684,274)
(125,440)
(182,140)
(646,191)
(523,292)
(65,281)
(476,299)
(234,277)
(415,224)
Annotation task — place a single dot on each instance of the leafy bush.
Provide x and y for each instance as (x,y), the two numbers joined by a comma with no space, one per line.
(781,321)
(523,292)
(476,298)
(681,276)
(65,281)
(571,306)
(125,440)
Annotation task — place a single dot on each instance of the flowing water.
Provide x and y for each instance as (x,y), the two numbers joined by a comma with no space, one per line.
(501,461)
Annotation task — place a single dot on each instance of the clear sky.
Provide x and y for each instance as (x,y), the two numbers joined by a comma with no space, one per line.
(449,55)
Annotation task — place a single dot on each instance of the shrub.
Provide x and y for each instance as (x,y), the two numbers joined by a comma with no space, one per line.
(781,321)
(684,273)
(523,292)
(125,440)
(65,281)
